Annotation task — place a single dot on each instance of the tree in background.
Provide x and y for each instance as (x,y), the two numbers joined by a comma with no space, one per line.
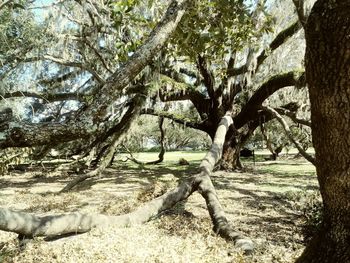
(145,136)
(222,67)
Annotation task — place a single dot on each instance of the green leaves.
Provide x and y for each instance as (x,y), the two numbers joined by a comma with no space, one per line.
(133,19)
(212,26)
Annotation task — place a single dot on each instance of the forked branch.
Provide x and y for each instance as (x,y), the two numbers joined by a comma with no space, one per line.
(290,135)
(30,225)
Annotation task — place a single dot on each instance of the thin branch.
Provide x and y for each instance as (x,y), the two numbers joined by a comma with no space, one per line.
(75,64)
(61,78)
(289,134)
(207,74)
(294,117)
(46,97)
(188,72)
(186,122)
(104,63)
(281,38)
(299,5)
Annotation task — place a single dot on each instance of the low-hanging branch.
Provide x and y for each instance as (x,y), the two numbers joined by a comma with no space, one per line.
(289,134)
(30,225)
(118,133)
(294,117)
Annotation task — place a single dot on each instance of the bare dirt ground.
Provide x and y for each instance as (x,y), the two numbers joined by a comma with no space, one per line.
(265,202)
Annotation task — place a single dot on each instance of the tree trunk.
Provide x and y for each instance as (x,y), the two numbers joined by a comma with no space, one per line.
(234,142)
(328,76)
(231,157)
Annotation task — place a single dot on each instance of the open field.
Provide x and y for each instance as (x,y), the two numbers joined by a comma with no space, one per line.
(267,201)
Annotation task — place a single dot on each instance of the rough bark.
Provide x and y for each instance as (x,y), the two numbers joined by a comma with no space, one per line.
(30,225)
(231,158)
(328,77)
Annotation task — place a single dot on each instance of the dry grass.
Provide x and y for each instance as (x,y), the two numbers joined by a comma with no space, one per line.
(262,202)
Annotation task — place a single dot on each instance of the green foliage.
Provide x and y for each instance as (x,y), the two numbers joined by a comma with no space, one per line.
(214,28)
(17,30)
(133,19)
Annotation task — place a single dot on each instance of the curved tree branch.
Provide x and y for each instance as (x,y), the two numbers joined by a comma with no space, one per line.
(281,38)
(30,225)
(294,117)
(168,115)
(250,109)
(290,135)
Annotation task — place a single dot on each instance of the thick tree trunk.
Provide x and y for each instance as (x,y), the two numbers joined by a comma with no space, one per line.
(328,76)
(234,142)
(30,225)
(231,156)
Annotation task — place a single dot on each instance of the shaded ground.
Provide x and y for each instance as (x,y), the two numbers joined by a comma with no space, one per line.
(265,202)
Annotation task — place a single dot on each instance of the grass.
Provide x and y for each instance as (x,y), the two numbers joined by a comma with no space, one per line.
(267,201)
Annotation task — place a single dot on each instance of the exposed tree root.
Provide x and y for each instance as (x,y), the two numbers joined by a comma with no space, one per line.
(29,225)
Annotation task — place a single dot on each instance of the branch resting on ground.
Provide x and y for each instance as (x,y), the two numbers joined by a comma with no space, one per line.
(30,225)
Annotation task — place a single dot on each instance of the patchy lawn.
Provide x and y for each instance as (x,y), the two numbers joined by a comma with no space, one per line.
(269,202)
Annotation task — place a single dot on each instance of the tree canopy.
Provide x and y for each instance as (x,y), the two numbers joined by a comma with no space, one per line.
(76,75)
